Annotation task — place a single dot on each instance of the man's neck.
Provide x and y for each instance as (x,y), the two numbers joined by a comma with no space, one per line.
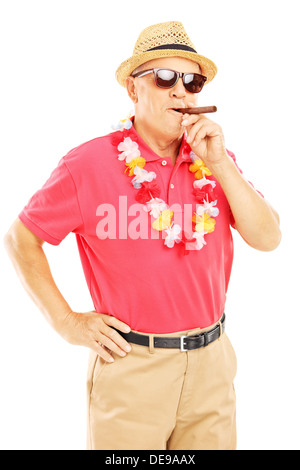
(161,145)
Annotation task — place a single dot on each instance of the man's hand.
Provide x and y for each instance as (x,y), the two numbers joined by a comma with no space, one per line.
(96,331)
(205,138)
(255,219)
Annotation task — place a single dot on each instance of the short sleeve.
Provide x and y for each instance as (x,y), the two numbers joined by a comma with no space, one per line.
(232,221)
(53,211)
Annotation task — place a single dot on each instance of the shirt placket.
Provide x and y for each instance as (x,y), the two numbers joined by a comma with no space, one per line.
(173,187)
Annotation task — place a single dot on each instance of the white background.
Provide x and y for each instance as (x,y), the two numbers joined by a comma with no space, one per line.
(58,90)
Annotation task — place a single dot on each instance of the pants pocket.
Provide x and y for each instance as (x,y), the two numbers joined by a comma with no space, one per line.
(95,367)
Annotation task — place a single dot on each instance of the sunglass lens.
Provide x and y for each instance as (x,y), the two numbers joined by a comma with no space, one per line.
(194,82)
(166,78)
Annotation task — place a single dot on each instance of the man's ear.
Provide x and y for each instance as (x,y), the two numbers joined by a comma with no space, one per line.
(131,89)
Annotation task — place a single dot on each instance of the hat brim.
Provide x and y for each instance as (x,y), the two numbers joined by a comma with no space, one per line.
(208,68)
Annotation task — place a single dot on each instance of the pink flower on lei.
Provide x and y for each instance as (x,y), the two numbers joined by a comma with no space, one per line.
(129,149)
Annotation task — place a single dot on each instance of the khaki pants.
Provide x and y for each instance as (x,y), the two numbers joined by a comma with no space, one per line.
(163,399)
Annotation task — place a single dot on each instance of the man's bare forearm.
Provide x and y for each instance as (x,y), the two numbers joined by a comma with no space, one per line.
(97,331)
(256,221)
(32,267)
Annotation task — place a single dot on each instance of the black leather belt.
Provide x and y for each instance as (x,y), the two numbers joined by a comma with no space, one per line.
(184,343)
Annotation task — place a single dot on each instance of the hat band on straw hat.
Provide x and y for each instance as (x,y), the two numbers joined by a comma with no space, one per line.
(182,47)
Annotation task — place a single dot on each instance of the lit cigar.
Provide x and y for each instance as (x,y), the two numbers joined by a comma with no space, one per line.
(203,110)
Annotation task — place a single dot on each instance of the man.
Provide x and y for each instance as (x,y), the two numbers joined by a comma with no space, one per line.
(151,206)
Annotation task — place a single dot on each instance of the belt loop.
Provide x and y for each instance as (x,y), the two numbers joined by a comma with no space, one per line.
(221,329)
(151,344)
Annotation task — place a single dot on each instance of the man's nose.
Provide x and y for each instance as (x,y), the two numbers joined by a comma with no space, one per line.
(178,90)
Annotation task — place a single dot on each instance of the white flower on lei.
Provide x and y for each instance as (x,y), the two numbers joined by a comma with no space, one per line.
(200,242)
(208,208)
(142,175)
(155,206)
(172,235)
(124,123)
(129,149)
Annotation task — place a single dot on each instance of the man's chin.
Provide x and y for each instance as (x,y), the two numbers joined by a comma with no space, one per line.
(173,125)
(167,126)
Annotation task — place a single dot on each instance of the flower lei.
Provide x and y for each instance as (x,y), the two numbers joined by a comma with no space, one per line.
(148,193)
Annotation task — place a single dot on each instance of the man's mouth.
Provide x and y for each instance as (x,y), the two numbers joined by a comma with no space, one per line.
(176,109)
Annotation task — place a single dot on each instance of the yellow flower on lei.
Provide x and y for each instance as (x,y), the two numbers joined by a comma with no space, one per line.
(139,161)
(163,221)
(199,169)
(204,223)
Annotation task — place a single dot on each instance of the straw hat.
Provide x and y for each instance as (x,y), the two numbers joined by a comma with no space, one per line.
(164,40)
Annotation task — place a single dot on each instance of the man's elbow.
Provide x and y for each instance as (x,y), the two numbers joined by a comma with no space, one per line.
(273,241)
(8,240)
(267,241)
(273,233)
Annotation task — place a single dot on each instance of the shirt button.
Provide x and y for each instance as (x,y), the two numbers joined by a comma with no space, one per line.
(164,163)
(172,186)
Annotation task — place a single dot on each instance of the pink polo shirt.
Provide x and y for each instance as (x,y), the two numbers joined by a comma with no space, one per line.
(131,274)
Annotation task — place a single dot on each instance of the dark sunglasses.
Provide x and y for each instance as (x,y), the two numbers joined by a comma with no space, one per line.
(166,78)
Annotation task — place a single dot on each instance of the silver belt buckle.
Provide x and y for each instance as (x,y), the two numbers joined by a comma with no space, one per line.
(182,348)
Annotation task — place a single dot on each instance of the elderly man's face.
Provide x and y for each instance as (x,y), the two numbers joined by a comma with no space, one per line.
(154,106)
